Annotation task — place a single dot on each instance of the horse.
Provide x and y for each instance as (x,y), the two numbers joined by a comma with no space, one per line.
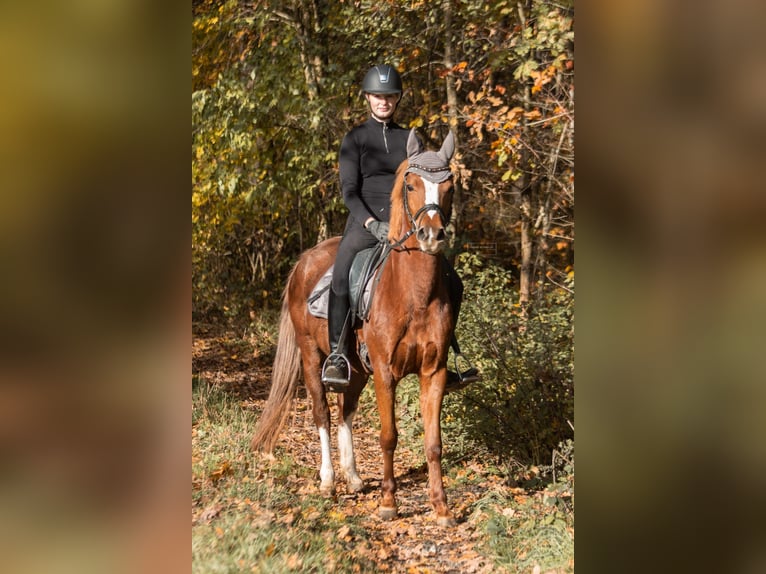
(408,331)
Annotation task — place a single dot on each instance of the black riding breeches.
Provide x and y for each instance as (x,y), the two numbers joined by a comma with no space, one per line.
(355,239)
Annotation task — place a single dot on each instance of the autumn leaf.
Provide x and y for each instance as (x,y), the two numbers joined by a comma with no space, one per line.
(220,472)
(294,562)
(344,532)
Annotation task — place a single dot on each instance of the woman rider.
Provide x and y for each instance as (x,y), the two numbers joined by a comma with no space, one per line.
(370,154)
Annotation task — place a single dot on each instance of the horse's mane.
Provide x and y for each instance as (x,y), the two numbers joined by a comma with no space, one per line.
(396,219)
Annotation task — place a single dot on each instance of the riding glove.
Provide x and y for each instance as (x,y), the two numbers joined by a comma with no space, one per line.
(379,229)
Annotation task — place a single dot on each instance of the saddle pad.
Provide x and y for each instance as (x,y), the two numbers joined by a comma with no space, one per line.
(364,262)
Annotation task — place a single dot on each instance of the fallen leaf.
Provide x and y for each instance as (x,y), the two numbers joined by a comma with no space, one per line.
(220,472)
(344,532)
(294,562)
(288,518)
(210,512)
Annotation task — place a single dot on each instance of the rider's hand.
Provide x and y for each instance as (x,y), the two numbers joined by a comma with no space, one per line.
(379,229)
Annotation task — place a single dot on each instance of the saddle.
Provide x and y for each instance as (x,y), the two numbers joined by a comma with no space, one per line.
(363,280)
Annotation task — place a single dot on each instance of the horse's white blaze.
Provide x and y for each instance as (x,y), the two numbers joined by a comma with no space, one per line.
(326,473)
(432,195)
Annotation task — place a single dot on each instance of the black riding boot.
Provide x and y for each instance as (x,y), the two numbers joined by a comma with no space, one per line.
(458,378)
(336,372)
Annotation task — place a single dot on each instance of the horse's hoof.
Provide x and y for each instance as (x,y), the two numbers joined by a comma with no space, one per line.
(355,485)
(387,513)
(328,491)
(445,521)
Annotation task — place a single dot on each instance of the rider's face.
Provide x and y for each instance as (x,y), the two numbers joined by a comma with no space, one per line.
(383,106)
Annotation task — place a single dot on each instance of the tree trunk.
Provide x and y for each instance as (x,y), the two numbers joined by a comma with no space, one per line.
(525,280)
(452,112)
(523,185)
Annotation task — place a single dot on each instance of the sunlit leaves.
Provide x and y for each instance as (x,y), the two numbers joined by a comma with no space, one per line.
(262,145)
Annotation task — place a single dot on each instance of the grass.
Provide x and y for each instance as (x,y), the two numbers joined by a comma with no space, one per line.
(253,514)
(248,518)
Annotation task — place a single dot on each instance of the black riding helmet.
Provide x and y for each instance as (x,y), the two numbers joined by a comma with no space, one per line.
(382,79)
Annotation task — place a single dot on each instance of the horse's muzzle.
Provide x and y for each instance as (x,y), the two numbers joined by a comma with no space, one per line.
(432,239)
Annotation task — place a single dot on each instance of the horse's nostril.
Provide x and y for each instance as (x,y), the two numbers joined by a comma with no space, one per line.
(422,234)
(440,235)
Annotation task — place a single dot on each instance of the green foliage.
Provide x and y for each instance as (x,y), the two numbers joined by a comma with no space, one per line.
(524,533)
(521,407)
(275,87)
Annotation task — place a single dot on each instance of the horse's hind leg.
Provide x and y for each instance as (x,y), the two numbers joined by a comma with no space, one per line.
(321,412)
(347,405)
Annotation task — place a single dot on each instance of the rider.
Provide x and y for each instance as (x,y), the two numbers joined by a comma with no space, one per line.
(369,157)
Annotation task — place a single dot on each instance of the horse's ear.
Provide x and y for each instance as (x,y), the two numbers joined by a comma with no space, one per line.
(448,148)
(414,145)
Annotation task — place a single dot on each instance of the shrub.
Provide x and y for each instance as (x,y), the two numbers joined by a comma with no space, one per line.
(521,407)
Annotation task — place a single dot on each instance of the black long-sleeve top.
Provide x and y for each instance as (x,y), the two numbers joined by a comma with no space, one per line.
(369,157)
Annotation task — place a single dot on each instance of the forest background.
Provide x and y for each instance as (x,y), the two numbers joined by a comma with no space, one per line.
(275,88)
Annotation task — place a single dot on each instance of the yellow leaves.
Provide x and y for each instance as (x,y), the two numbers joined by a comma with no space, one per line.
(416,123)
(336,514)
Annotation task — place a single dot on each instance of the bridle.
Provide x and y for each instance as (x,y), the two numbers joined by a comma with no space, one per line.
(414,219)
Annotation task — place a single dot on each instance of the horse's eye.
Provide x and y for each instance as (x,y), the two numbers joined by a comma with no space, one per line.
(410,187)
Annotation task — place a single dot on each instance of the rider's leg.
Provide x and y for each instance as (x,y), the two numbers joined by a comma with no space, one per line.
(336,370)
(455,287)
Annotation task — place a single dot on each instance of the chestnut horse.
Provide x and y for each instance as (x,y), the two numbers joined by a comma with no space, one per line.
(408,331)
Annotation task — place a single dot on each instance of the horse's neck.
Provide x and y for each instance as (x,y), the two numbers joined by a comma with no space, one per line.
(415,274)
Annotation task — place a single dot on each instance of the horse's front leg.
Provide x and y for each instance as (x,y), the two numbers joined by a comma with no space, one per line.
(431,395)
(385,390)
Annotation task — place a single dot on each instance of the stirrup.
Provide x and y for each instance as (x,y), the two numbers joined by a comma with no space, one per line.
(458,379)
(334,383)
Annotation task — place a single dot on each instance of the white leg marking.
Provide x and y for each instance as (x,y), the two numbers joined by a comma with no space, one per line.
(326,474)
(347,458)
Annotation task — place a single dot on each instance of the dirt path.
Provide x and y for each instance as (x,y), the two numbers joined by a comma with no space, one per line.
(411,543)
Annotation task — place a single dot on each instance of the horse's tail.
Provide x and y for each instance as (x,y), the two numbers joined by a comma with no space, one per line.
(284,383)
